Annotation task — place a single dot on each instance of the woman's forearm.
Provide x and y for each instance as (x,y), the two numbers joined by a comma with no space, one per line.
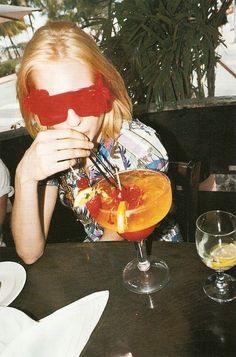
(26,225)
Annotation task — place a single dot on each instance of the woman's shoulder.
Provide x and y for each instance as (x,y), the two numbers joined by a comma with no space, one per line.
(140,135)
(3,169)
(5,181)
(137,126)
(141,144)
(138,131)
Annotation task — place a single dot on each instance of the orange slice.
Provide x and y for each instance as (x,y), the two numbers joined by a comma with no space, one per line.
(84,196)
(223,256)
(121,217)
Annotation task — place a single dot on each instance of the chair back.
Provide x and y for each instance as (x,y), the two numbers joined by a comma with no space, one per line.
(185,178)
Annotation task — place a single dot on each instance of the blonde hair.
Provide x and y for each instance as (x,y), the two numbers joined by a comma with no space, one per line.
(63,40)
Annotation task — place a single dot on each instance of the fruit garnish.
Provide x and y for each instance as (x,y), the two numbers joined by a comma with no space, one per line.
(84,196)
(223,256)
(93,205)
(82,183)
(121,217)
(112,196)
(133,196)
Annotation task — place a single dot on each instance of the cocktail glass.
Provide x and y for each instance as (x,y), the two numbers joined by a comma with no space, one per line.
(144,274)
(216,246)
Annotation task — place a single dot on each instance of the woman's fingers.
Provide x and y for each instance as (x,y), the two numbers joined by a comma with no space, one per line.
(53,151)
(48,135)
(71,154)
(51,141)
(65,165)
(62,144)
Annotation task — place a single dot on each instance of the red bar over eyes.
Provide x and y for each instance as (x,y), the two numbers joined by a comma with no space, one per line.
(52,109)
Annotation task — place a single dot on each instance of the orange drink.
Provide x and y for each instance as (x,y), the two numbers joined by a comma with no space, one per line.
(143,201)
(133,209)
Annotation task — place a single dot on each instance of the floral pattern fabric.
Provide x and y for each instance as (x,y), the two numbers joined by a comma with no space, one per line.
(138,146)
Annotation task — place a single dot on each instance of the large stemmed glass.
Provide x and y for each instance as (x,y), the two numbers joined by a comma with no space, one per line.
(216,246)
(143,275)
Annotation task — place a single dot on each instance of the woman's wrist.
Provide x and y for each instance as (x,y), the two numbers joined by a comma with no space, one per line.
(23,176)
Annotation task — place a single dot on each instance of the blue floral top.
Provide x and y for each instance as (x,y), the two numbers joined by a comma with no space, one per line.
(138,146)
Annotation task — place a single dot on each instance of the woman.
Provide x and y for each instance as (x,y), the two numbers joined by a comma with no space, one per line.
(6,191)
(72,101)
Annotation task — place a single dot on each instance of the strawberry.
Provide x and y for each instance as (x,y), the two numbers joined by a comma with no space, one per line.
(133,196)
(94,205)
(82,183)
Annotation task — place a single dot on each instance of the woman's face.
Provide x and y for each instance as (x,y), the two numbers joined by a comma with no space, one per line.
(65,76)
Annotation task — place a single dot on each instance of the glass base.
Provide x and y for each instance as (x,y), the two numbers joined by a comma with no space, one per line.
(223,292)
(141,280)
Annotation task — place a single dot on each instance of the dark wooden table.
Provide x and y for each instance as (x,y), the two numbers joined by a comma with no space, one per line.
(180,320)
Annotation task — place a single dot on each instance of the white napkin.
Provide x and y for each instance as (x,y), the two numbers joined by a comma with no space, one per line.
(62,334)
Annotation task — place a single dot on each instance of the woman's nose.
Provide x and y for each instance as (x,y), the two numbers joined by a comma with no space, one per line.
(72,118)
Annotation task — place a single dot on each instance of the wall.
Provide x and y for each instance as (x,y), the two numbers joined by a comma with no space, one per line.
(207,134)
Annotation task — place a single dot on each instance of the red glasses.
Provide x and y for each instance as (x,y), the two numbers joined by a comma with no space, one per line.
(53,109)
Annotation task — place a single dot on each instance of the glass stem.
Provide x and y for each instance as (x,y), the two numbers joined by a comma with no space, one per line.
(143,263)
(220,282)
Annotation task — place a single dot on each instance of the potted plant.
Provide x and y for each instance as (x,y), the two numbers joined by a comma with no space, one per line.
(165,50)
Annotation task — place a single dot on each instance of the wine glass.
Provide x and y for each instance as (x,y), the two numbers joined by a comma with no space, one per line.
(216,246)
(148,197)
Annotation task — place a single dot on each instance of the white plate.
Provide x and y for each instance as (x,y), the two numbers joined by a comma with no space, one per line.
(12,278)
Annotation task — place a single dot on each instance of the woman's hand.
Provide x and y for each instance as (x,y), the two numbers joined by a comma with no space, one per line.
(53,151)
